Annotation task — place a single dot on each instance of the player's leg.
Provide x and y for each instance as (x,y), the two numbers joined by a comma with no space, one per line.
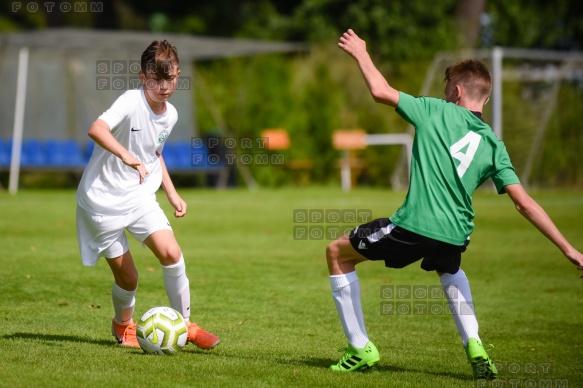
(166,249)
(342,260)
(459,296)
(123,297)
(378,240)
(100,235)
(153,229)
(446,261)
(125,286)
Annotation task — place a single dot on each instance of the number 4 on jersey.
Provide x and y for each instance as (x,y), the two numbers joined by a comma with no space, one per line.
(471,140)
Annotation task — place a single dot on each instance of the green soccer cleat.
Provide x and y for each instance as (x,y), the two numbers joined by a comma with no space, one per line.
(357,359)
(482,366)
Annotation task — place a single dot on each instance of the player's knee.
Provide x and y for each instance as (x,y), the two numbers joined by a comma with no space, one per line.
(170,254)
(332,251)
(128,280)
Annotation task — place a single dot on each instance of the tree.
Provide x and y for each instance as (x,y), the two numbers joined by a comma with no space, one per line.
(468,14)
(537,24)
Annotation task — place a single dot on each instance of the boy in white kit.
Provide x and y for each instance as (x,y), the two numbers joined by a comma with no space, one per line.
(118,192)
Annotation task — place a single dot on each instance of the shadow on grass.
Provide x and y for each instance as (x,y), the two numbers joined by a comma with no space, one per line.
(56,338)
(324,364)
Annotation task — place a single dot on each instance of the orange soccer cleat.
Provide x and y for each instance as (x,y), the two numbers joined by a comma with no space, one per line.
(201,338)
(125,334)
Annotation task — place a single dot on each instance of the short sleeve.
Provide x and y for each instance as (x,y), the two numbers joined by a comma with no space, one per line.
(504,171)
(417,110)
(120,110)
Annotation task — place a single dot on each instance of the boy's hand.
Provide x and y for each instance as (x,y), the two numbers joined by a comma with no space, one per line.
(577,259)
(352,44)
(377,84)
(130,160)
(178,204)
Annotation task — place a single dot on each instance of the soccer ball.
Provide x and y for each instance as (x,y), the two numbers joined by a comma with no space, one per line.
(162,330)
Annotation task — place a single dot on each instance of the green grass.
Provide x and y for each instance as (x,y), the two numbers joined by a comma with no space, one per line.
(268,297)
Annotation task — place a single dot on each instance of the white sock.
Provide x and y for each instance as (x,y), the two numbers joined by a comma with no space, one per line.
(457,291)
(346,294)
(177,287)
(123,304)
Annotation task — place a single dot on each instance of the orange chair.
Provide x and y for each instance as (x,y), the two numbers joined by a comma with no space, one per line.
(278,140)
(349,141)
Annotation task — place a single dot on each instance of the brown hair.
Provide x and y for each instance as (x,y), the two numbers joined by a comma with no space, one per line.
(160,57)
(473,75)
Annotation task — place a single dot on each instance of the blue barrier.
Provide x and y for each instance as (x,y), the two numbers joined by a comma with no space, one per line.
(5,153)
(37,154)
(179,156)
(64,153)
(89,149)
(169,155)
(33,154)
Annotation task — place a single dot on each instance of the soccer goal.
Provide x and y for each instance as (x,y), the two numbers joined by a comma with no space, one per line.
(535,108)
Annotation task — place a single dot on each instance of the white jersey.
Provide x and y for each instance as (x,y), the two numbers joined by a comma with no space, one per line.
(110,187)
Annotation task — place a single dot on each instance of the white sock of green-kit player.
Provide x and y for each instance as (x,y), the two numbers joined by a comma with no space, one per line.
(457,291)
(346,294)
(177,287)
(123,304)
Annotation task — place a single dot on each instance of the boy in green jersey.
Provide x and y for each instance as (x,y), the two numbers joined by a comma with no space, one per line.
(454,152)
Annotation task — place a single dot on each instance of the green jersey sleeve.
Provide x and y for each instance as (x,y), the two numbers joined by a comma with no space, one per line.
(416,111)
(504,171)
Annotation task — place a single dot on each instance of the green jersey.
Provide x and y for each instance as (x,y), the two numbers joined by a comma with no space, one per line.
(454,152)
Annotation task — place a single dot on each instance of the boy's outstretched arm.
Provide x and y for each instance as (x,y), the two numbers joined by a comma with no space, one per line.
(533,212)
(380,89)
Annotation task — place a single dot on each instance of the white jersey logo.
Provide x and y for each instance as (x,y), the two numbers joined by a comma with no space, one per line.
(163,136)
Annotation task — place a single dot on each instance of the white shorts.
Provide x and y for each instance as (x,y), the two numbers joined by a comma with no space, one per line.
(103,235)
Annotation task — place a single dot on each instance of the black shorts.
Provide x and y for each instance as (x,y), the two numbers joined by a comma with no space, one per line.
(382,240)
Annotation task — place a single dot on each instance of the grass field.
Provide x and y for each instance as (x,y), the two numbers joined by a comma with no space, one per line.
(267,295)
